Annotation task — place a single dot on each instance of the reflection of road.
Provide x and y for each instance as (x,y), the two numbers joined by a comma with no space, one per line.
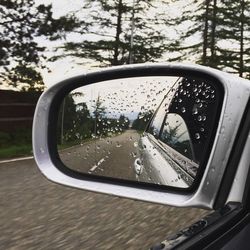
(113,156)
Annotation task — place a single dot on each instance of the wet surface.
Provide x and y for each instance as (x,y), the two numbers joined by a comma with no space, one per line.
(111,156)
(37,214)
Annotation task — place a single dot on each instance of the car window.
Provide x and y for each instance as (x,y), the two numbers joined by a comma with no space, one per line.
(159,116)
(156,124)
(176,135)
(185,118)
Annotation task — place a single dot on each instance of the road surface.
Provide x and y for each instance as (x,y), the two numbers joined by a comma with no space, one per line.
(37,214)
(113,157)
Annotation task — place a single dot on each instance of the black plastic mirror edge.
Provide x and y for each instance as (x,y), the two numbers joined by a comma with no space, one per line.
(118,73)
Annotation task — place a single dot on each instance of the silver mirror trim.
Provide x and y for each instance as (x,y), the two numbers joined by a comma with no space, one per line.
(236,96)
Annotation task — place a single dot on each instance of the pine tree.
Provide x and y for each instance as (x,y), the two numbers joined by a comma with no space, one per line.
(222,32)
(106,33)
(20,54)
(234,37)
(199,28)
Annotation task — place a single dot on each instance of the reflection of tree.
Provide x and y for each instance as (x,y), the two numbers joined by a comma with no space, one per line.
(99,109)
(99,113)
(172,137)
(76,123)
(171,134)
(141,122)
(66,117)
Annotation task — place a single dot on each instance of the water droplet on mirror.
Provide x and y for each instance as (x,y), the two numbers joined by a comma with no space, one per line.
(199,118)
(183,110)
(197,136)
(118,145)
(42,151)
(195,111)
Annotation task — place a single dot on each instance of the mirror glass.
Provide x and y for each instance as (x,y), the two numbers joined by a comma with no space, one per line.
(144,129)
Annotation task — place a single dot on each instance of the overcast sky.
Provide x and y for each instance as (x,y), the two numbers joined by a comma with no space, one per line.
(67,67)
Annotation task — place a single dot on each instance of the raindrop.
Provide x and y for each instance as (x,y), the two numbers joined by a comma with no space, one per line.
(199,118)
(197,136)
(42,151)
(195,111)
(183,110)
(118,145)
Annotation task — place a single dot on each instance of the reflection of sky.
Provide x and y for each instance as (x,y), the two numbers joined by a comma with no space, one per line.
(127,96)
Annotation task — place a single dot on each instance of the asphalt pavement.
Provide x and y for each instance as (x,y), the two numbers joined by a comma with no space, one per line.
(37,214)
(111,156)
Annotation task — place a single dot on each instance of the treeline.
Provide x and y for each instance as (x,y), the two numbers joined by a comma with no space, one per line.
(210,32)
(142,120)
(77,123)
(222,29)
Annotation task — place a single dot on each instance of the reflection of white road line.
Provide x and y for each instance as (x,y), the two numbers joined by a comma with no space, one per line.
(97,165)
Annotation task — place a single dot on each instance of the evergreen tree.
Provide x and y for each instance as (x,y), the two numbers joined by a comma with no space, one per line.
(20,54)
(197,39)
(220,32)
(234,37)
(109,28)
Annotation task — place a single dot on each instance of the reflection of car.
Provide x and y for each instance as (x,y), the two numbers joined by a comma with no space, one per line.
(173,144)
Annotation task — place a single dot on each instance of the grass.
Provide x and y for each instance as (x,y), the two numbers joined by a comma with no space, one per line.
(15,151)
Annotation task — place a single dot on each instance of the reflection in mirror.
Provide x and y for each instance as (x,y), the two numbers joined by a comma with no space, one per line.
(144,129)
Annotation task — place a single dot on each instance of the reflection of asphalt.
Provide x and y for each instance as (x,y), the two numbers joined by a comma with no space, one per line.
(36,214)
(113,156)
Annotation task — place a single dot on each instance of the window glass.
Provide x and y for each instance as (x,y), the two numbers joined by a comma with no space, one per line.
(157,121)
(190,103)
(175,134)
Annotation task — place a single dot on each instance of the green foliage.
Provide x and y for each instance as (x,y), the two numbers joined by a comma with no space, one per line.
(77,124)
(142,120)
(15,143)
(222,32)
(234,28)
(21,57)
(15,151)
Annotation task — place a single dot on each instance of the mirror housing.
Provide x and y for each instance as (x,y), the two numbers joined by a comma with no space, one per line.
(234,97)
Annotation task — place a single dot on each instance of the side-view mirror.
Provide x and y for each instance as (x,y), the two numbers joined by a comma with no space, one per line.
(159,133)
